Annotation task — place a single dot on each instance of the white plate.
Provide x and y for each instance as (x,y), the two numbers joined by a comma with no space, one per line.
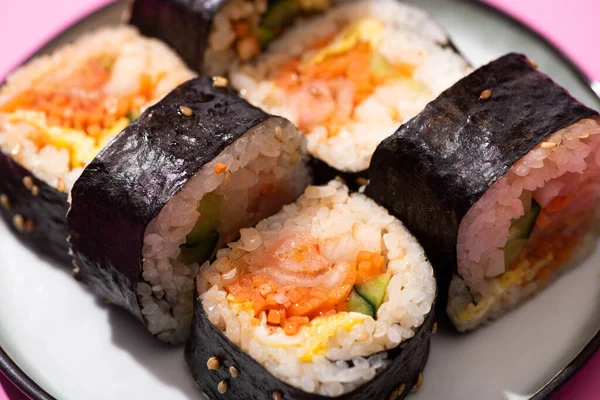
(75,348)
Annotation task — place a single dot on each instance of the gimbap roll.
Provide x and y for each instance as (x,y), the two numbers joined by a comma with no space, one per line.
(59,110)
(350,77)
(330,297)
(211,36)
(499,179)
(174,186)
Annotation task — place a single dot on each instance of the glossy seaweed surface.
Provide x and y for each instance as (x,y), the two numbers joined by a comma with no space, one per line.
(437,165)
(130,181)
(40,207)
(182,24)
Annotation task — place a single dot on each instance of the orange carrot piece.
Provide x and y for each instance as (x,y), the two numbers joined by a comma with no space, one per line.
(274,317)
(220,168)
(557,204)
(241,28)
(542,220)
(363,256)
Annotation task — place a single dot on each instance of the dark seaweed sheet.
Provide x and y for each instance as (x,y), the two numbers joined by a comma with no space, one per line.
(47,210)
(255,382)
(182,24)
(436,166)
(323,173)
(131,180)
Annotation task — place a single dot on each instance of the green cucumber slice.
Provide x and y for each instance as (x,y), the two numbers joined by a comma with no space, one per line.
(203,238)
(358,304)
(512,250)
(521,228)
(279,14)
(373,290)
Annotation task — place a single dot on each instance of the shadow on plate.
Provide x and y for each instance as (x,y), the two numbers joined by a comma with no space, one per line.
(163,361)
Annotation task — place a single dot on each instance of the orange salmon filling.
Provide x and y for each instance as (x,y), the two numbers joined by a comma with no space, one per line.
(558,233)
(79,102)
(333,87)
(296,284)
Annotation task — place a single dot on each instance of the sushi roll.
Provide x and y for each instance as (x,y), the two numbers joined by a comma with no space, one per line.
(59,110)
(499,179)
(350,77)
(330,297)
(211,36)
(173,187)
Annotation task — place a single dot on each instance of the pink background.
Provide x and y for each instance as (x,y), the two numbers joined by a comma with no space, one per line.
(572,24)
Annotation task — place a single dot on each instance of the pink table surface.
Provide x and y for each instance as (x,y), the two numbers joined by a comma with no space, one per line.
(571,24)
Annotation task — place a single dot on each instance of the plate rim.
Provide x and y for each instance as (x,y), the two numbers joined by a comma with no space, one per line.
(15,375)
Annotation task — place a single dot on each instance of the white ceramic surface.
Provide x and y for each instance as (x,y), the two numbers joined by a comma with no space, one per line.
(76,348)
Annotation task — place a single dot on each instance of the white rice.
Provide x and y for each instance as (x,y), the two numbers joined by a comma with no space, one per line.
(268,153)
(410,37)
(225,48)
(221,52)
(548,171)
(134,56)
(343,225)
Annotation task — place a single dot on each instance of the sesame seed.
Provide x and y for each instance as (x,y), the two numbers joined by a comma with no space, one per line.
(222,387)
(396,393)
(401,389)
(143,259)
(362,181)
(213,363)
(419,382)
(60,185)
(220,168)
(19,222)
(76,270)
(486,94)
(16,150)
(277,396)
(234,372)
(27,182)
(584,136)
(186,111)
(226,178)
(35,190)
(4,202)
(220,81)
(549,145)
(532,63)
(295,156)
(29,225)
(278,134)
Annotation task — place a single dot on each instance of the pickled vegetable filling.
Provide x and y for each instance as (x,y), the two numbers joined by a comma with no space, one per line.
(74,112)
(341,71)
(252,37)
(544,238)
(210,233)
(292,283)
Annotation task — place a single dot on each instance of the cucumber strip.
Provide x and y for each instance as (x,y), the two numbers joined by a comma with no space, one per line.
(358,304)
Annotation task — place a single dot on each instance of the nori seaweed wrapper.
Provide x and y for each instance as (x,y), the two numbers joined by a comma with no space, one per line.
(182,24)
(42,210)
(130,181)
(437,165)
(255,382)
(323,173)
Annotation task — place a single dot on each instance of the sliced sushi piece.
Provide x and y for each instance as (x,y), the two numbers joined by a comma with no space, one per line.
(59,110)
(499,178)
(211,36)
(350,77)
(330,297)
(174,186)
